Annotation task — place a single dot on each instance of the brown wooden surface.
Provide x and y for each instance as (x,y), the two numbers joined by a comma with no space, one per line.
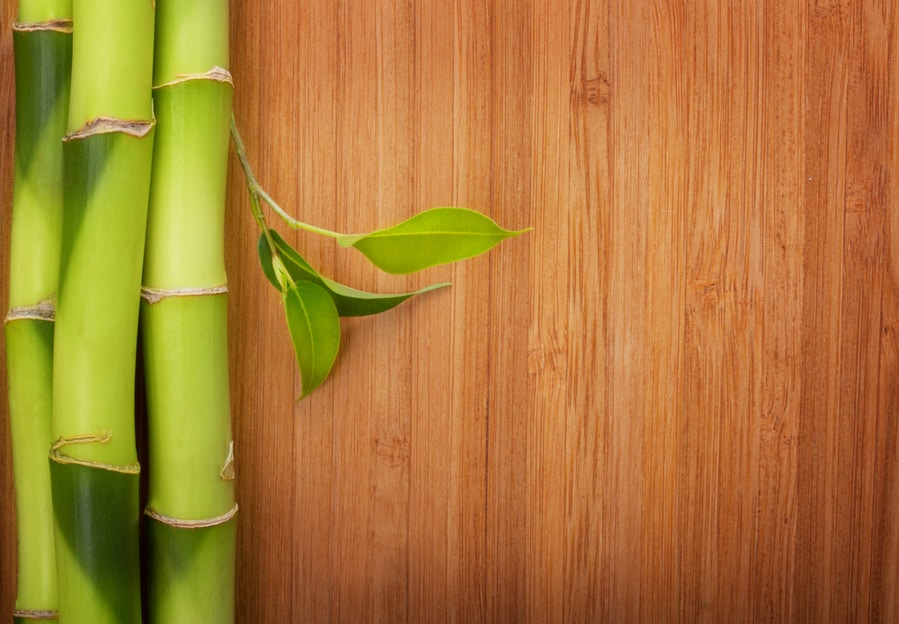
(675,401)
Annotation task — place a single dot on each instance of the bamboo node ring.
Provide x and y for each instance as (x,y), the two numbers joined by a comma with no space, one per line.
(216,74)
(155,295)
(33,614)
(57,25)
(180,523)
(103,437)
(138,128)
(43,311)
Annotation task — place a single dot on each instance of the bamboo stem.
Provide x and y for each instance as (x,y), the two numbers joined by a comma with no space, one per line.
(107,158)
(42,44)
(191,507)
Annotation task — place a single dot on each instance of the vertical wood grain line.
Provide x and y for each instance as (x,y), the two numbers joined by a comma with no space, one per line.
(826,76)
(430,508)
(710,297)
(395,54)
(631,68)
(885,576)
(511,117)
(582,328)
(549,334)
(469,574)
(774,542)
(663,416)
(865,205)
(353,590)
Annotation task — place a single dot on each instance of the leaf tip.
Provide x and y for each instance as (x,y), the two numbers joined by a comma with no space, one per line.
(513,233)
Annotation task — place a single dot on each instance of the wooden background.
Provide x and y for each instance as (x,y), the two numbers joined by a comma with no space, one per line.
(675,400)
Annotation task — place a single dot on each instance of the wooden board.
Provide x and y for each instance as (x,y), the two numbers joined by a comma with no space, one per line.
(675,400)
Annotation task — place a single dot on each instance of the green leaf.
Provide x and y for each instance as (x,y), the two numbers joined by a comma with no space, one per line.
(349,301)
(433,237)
(315,331)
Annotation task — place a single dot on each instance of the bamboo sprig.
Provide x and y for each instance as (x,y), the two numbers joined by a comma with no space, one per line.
(313,302)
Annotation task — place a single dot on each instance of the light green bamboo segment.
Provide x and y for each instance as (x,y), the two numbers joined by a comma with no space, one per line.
(191,505)
(108,155)
(46,12)
(29,353)
(191,502)
(42,44)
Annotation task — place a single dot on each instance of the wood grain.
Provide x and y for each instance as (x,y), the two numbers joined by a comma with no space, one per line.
(675,400)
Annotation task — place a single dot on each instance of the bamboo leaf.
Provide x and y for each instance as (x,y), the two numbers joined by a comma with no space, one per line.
(315,331)
(349,301)
(435,236)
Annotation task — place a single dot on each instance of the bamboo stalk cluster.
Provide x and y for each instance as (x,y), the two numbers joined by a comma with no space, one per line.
(123,112)
(123,121)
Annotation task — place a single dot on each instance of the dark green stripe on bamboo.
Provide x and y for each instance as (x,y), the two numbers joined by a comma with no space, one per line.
(42,46)
(102,554)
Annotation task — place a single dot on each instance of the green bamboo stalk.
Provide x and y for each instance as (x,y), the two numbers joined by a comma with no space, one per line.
(191,506)
(42,43)
(107,158)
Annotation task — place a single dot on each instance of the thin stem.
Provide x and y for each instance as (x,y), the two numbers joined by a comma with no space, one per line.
(290,221)
(241,151)
(256,191)
(252,184)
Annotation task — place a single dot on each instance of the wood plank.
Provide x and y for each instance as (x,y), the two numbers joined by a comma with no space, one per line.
(774,542)
(467,381)
(431,510)
(550,331)
(511,24)
(582,326)
(885,567)
(845,216)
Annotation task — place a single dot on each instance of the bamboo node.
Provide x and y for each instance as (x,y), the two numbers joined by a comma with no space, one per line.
(57,25)
(137,128)
(155,295)
(32,614)
(217,74)
(179,523)
(41,311)
(89,438)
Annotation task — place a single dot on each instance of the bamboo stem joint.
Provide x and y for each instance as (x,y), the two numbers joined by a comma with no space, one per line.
(89,438)
(191,524)
(155,295)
